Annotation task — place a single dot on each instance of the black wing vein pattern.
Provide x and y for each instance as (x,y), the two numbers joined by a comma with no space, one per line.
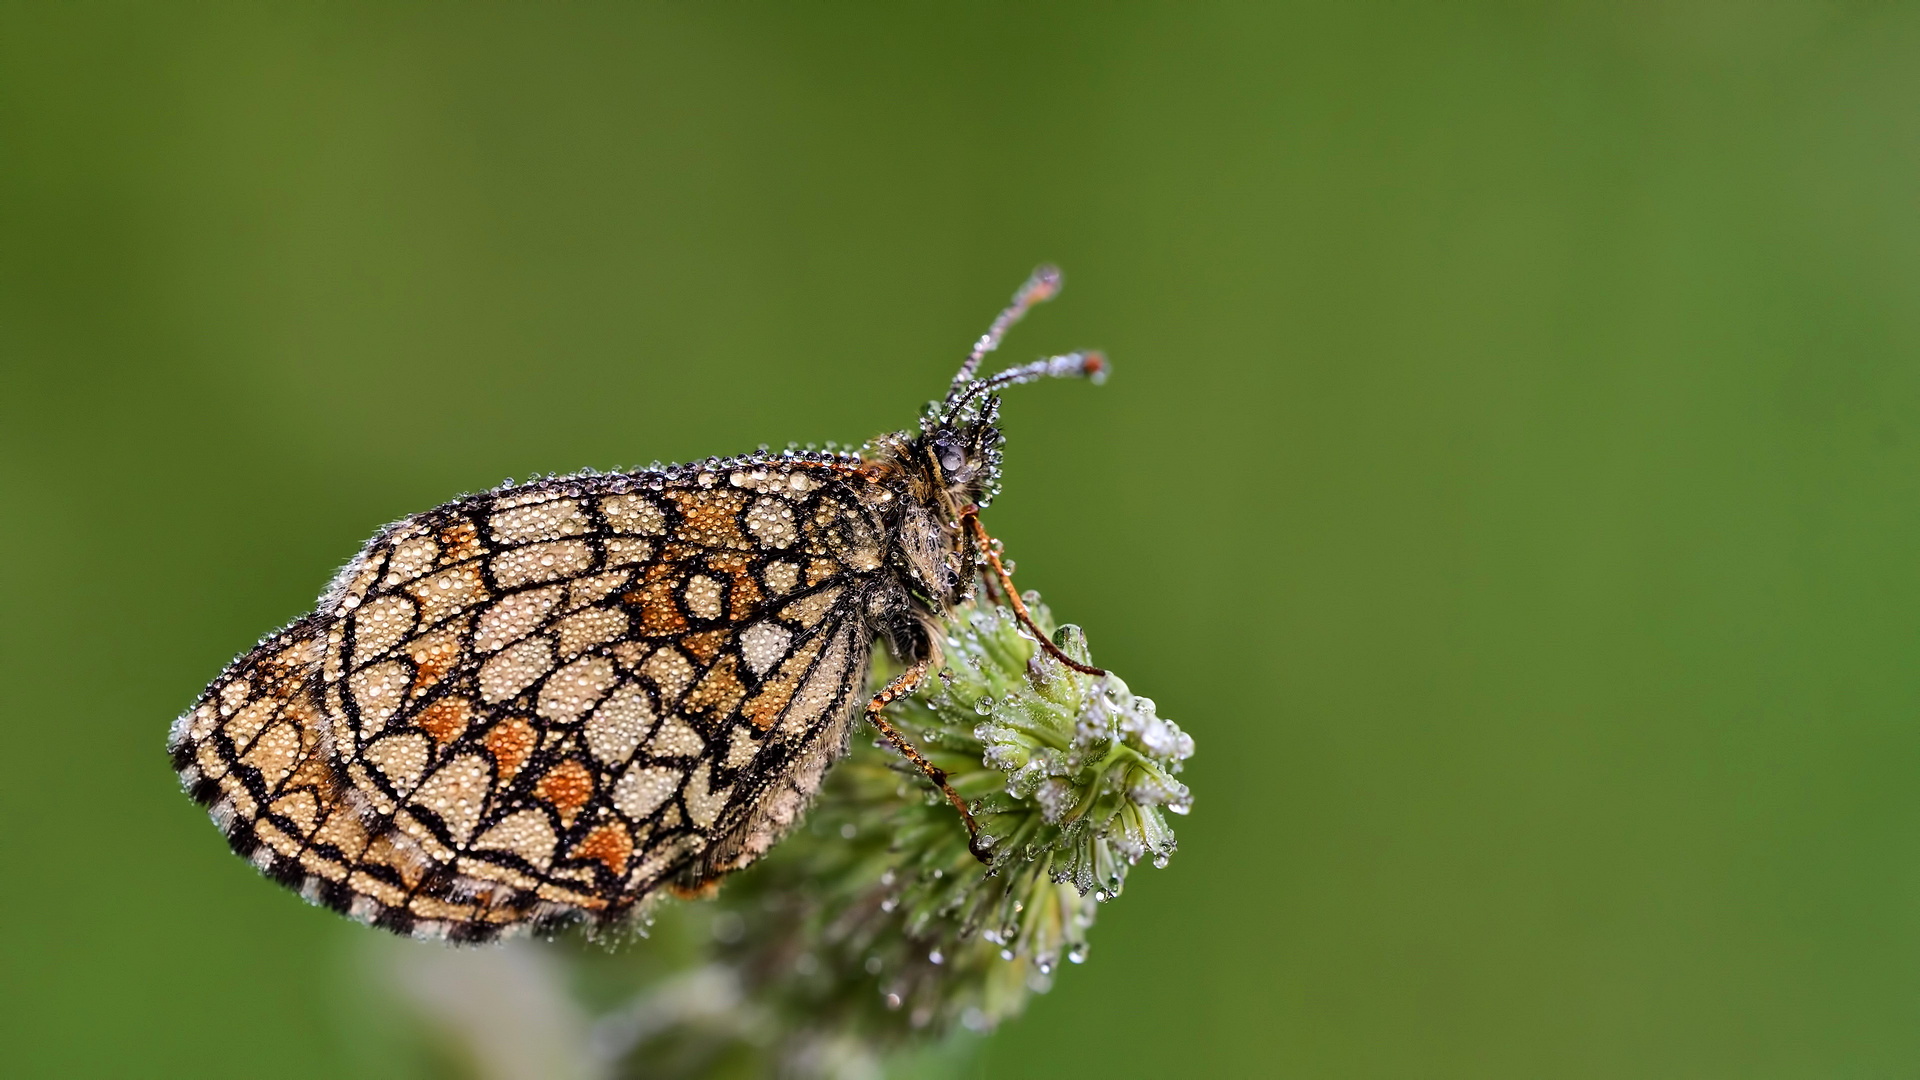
(541,703)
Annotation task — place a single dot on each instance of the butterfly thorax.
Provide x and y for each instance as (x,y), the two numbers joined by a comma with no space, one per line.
(929,480)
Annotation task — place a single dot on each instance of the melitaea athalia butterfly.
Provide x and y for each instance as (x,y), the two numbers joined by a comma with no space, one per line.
(542,703)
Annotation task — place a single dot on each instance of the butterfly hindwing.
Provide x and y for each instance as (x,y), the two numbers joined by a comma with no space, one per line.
(547,701)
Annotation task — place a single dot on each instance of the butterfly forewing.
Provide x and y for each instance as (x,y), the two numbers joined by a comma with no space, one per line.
(546,701)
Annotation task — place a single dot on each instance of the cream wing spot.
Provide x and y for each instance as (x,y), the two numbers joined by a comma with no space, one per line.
(448,593)
(627,551)
(234,694)
(250,721)
(823,687)
(770,521)
(676,738)
(377,691)
(274,753)
(865,558)
(301,808)
(421,835)
(585,629)
(781,578)
(379,626)
(524,497)
(575,688)
(544,521)
(525,833)
(704,806)
(541,562)
(703,596)
(762,645)
(630,653)
(515,669)
(809,610)
(633,514)
(456,794)
(742,749)
(401,759)
(590,590)
(514,617)
(410,559)
(195,727)
(642,789)
(671,672)
(765,707)
(615,729)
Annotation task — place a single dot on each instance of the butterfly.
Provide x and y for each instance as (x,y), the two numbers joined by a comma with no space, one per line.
(541,704)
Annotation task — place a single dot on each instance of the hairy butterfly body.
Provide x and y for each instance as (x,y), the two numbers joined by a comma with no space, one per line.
(541,704)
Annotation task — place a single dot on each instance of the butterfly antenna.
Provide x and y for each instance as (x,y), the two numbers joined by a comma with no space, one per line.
(1088,364)
(1044,285)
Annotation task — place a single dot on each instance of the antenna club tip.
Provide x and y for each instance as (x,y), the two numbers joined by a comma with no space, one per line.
(1044,283)
(1097,367)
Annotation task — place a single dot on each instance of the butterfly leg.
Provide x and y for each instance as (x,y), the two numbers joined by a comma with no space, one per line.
(905,683)
(989,547)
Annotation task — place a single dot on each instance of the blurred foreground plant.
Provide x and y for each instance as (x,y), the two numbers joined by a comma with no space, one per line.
(871,930)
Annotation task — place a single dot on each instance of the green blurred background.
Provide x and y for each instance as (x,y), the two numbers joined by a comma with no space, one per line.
(1509,475)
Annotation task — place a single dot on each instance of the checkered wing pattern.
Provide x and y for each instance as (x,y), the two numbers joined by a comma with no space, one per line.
(544,702)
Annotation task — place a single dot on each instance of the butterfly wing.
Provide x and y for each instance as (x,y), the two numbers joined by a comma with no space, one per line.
(544,702)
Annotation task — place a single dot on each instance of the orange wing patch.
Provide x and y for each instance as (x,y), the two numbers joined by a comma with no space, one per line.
(660,614)
(566,787)
(446,720)
(510,742)
(609,845)
(711,519)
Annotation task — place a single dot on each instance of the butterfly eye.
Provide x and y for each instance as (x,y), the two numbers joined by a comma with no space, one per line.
(951,459)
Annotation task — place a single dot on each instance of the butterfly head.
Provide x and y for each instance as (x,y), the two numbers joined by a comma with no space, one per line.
(960,434)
